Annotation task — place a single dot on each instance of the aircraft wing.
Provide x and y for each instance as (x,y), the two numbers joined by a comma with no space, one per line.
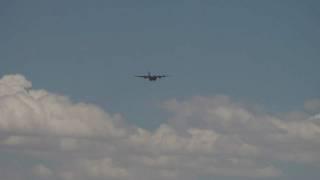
(162,76)
(143,77)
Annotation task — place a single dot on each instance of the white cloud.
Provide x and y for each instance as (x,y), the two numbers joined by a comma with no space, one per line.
(104,168)
(315,117)
(237,125)
(40,112)
(42,171)
(312,105)
(205,136)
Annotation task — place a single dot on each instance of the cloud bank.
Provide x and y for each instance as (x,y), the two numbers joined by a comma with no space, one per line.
(56,138)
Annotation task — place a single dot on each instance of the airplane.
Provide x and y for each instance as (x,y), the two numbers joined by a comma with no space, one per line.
(152,77)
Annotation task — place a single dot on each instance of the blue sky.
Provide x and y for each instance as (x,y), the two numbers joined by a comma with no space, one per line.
(258,52)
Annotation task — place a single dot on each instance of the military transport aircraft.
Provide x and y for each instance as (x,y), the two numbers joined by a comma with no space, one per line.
(152,77)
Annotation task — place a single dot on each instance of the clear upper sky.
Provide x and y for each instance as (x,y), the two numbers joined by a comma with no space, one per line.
(264,52)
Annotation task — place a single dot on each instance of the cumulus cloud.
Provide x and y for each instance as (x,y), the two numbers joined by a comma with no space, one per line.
(266,135)
(312,105)
(205,136)
(24,110)
(42,171)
